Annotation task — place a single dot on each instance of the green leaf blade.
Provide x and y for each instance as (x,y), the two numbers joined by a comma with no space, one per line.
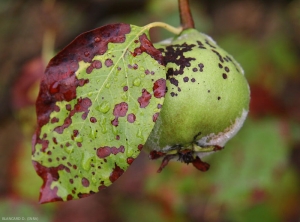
(95,110)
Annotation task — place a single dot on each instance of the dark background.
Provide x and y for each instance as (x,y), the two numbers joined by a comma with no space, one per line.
(256,178)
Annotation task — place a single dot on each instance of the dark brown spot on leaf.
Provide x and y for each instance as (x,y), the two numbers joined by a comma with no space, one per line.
(131,118)
(144,99)
(130,160)
(147,47)
(82,105)
(96,64)
(48,175)
(105,151)
(120,110)
(159,88)
(116,173)
(85,182)
(108,62)
(54,120)
(93,120)
(140,147)
(155,116)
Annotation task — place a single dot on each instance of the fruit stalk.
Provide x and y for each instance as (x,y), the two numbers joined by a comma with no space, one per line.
(186,18)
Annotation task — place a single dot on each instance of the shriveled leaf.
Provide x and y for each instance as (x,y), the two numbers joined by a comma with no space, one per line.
(96,107)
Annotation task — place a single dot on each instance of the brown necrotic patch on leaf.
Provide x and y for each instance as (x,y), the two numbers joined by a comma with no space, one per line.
(105,151)
(147,47)
(60,82)
(130,160)
(144,99)
(155,116)
(159,88)
(48,174)
(116,173)
(96,64)
(85,182)
(131,118)
(120,110)
(82,105)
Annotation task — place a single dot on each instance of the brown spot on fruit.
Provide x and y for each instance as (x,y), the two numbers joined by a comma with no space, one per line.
(175,54)
(116,173)
(218,54)
(144,100)
(186,79)
(201,66)
(200,45)
(224,76)
(159,88)
(173,81)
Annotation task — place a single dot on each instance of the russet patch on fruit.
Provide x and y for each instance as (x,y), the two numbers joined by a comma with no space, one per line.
(206,102)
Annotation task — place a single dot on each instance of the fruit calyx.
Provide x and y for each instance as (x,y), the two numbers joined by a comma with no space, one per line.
(185,155)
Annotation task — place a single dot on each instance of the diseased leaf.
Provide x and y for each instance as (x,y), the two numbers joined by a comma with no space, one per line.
(97,105)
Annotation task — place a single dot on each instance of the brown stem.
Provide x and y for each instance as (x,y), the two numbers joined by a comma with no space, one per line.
(186,18)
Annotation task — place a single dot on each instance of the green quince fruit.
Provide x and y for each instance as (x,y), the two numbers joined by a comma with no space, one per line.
(206,102)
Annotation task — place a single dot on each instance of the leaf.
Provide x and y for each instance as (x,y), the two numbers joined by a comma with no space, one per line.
(97,105)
